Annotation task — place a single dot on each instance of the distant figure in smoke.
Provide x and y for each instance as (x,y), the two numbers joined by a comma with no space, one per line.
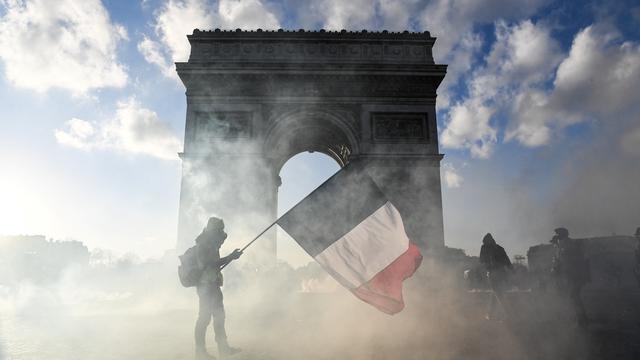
(208,257)
(496,262)
(637,268)
(571,270)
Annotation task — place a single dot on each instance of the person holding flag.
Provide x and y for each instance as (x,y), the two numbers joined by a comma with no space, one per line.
(208,261)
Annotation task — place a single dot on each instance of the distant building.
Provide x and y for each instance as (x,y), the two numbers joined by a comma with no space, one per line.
(34,258)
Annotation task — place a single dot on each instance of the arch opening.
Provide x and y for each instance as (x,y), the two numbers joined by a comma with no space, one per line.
(300,175)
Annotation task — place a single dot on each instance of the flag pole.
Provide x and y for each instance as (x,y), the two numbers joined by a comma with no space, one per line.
(254,240)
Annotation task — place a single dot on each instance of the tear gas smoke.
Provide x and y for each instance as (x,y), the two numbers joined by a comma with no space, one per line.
(139,311)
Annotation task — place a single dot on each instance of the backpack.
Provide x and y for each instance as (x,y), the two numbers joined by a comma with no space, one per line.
(189,270)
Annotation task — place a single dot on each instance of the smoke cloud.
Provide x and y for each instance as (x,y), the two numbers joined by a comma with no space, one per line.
(124,308)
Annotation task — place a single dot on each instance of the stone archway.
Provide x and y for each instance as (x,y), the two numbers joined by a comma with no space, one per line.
(255,99)
(310,129)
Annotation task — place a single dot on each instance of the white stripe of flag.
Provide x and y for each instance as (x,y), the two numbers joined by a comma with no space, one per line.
(356,234)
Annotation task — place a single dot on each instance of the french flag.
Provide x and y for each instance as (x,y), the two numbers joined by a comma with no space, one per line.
(349,226)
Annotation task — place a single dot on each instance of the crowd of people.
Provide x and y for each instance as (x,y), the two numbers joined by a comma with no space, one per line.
(570,271)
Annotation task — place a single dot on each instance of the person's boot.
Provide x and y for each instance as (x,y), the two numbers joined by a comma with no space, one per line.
(225,350)
(202,354)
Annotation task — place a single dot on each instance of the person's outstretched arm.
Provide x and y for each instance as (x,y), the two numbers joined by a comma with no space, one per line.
(229,258)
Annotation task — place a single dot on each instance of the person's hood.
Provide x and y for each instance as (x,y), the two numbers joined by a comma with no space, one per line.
(206,236)
(488,240)
(215,223)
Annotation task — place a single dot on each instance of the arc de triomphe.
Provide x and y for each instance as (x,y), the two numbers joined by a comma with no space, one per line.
(257,98)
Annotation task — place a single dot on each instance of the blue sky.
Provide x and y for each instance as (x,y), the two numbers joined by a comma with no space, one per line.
(539,117)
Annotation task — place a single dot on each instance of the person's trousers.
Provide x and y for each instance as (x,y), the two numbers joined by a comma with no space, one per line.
(211,306)
(498,283)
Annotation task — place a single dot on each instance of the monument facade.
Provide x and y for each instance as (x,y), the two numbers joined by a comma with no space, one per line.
(257,98)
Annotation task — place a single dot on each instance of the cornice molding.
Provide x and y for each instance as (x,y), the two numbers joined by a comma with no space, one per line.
(310,47)
(322,33)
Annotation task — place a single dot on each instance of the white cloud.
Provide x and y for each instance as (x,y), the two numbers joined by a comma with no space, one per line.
(598,80)
(78,134)
(177,18)
(451,176)
(393,15)
(134,129)
(523,56)
(468,126)
(396,14)
(460,61)
(529,124)
(601,73)
(153,54)
(246,14)
(454,22)
(352,15)
(450,20)
(524,53)
(60,44)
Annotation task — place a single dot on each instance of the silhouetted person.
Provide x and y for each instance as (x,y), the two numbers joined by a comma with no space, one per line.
(496,262)
(571,270)
(210,295)
(637,253)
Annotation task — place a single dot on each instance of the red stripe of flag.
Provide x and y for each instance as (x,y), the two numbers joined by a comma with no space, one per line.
(384,291)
